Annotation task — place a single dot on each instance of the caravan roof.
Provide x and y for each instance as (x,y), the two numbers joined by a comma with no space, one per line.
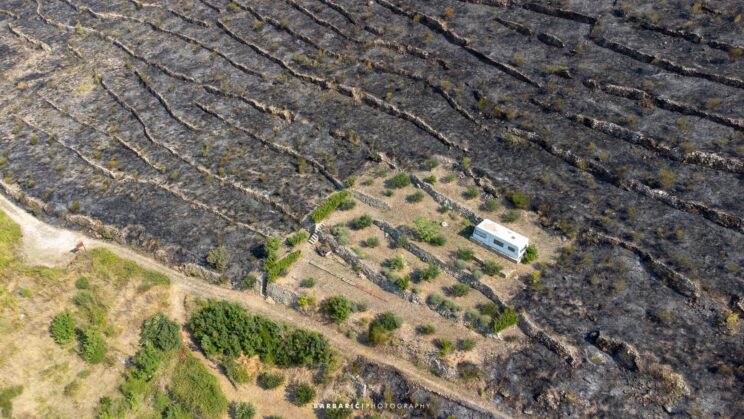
(497,230)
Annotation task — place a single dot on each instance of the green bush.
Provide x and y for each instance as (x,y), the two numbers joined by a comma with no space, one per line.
(459,290)
(428,231)
(297,238)
(510,216)
(82,283)
(361,222)
(491,268)
(489,309)
(329,205)
(435,299)
(448,178)
(530,254)
(372,242)
(429,273)
(425,329)
(279,268)
(304,393)
(432,163)
(341,234)
(223,328)
(466,344)
(162,332)
(430,179)
(347,205)
(146,362)
(247,282)
(6,400)
(218,258)
(307,283)
(518,199)
(490,205)
(471,193)
(235,372)
(269,381)
(92,346)
(505,319)
(400,180)
(380,328)
(446,347)
(198,391)
(465,253)
(337,308)
(397,263)
(63,328)
(243,410)
(417,196)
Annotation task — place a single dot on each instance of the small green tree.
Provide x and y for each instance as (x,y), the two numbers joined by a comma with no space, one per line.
(269,380)
(243,410)
(519,199)
(397,263)
(218,258)
(337,308)
(162,332)
(361,222)
(446,346)
(93,348)
(63,328)
(530,254)
(400,180)
(430,272)
(459,290)
(304,393)
(491,268)
(505,319)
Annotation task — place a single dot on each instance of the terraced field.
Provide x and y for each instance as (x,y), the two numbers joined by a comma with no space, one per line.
(180,126)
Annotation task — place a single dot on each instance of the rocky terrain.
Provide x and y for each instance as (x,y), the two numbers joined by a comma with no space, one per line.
(179,126)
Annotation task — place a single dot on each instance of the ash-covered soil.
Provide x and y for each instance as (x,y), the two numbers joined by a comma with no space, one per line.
(178,126)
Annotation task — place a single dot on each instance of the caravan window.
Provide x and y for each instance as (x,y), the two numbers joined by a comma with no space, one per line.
(480,233)
(498,243)
(512,249)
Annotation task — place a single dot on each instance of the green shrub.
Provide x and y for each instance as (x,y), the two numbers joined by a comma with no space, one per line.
(505,319)
(92,346)
(92,309)
(477,274)
(400,180)
(361,222)
(82,283)
(430,179)
(417,196)
(448,178)
(466,162)
(435,299)
(428,231)
(297,238)
(223,328)
(459,290)
(235,372)
(429,273)
(162,332)
(218,259)
(402,282)
(489,309)
(329,205)
(280,267)
(446,346)
(465,253)
(307,283)
(372,242)
(347,205)
(63,328)
(269,381)
(519,199)
(397,263)
(432,163)
(337,308)
(466,344)
(380,328)
(425,329)
(491,268)
(243,410)
(7,395)
(247,282)
(341,234)
(490,205)
(304,393)
(530,254)
(510,216)
(146,362)
(339,411)
(198,391)
(471,193)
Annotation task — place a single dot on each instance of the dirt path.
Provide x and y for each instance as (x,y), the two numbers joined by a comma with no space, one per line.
(50,246)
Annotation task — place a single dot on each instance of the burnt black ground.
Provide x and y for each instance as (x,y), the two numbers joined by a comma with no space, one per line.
(163,120)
